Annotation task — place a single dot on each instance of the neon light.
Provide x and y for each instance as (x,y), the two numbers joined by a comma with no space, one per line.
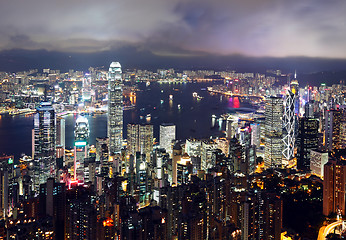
(10,161)
(80,144)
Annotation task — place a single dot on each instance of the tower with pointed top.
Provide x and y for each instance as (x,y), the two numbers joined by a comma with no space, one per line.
(294,86)
(115,108)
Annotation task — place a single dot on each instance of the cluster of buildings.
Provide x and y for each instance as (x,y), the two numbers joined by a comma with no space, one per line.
(215,188)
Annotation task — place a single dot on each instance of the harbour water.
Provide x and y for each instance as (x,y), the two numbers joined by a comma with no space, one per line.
(155,104)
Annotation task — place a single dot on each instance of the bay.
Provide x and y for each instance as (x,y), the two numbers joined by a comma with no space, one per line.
(191,116)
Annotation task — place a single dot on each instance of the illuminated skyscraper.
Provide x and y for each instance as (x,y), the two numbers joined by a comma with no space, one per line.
(115,108)
(295,90)
(332,129)
(273,132)
(140,139)
(167,135)
(288,127)
(81,136)
(44,144)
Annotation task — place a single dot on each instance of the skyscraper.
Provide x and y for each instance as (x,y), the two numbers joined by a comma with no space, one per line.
(115,108)
(332,129)
(44,144)
(307,140)
(167,135)
(334,187)
(273,132)
(289,126)
(295,90)
(81,144)
(140,139)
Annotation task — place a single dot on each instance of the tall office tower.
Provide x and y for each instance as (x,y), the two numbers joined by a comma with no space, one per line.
(249,151)
(207,148)
(193,148)
(273,132)
(332,129)
(6,180)
(222,144)
(288,127)
(140,139)
(295,90)
(177,152)
(307,140)
(317,161)
(309,109)
(236,155)
(231,127)
(334,187)
(44,144)
(167,135)
(255,134)
(184,168)
(115,108)
(60,142)
(60,132)
(81,145)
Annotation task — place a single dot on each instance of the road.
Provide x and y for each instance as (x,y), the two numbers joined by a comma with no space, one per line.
(325,230)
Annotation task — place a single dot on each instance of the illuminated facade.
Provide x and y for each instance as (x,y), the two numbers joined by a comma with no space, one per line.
(317,161)
(273,132)
(140,139)
(288,126)
(334,187)
(44,144)
(115,108)
(332,129)
(167,135)
(81,146)
(295,90)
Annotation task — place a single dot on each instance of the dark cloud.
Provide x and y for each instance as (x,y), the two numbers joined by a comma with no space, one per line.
(178,27)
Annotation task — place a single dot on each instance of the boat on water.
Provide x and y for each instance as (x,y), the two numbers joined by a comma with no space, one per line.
(195,95)
(129,107)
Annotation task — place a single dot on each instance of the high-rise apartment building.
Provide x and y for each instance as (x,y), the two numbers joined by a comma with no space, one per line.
(273,132)
(334,187)
(115,108)
(44,144)
(261,216)
(167,135)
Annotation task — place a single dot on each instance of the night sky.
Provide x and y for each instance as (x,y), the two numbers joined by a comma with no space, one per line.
(177,28)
